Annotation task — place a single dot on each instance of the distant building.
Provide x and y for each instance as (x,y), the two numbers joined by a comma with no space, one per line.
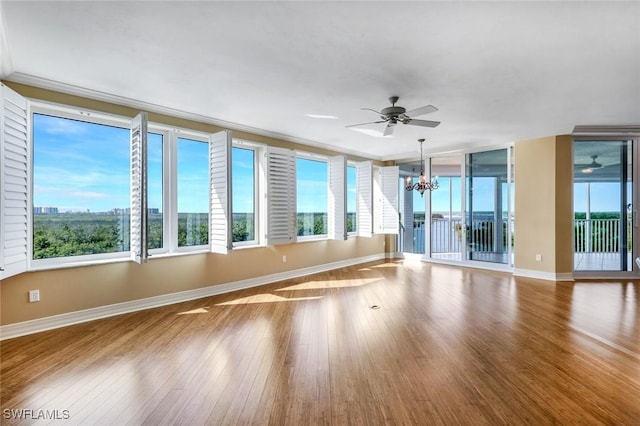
(45,210)
(121,211)
(153,210)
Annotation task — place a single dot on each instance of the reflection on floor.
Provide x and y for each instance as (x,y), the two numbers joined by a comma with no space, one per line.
(479,256)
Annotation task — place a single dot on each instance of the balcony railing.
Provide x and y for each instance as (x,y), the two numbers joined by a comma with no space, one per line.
(590,236)
(600,235)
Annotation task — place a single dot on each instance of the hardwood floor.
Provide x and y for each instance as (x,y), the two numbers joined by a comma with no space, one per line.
(446,346)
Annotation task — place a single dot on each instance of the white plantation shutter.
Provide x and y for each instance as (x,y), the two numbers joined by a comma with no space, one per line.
(14,183)
(337,217)
(281,196)
(220,211)
(407,222)
(386,200)
(139,188)
(364,207)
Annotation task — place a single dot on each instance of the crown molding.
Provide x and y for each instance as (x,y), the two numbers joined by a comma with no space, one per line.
(595,130)
(70,89)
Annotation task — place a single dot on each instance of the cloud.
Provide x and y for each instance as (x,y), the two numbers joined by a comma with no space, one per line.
(59,126)
(242,165)
(89,194)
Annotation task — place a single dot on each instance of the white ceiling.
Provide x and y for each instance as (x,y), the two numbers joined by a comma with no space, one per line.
(498,72)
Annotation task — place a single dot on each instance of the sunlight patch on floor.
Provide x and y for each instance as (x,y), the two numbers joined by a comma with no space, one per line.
(265,298)
(195,311)
(315,285)
(386,265)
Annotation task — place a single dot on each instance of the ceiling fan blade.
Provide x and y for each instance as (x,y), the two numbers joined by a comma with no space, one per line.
(364,124)
(423,123)
(388,130)
(427,109)
(369,109)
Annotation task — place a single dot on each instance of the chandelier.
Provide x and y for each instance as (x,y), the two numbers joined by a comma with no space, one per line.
(422,184)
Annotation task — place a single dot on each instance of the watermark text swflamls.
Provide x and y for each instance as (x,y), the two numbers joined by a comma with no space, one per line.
(29,414)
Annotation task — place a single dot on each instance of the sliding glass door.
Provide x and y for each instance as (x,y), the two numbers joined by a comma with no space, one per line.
(487,213)
(412,212)
(471,212)
(447,221)
(604,205)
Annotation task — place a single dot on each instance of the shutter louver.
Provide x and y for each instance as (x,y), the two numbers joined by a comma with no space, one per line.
(281,196)
(387,199)
(14,183)
(139,188)
(364,185)
(220,211)
(337,226)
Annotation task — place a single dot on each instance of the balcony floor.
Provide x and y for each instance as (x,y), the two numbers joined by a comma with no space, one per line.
(599,261)
(582,261)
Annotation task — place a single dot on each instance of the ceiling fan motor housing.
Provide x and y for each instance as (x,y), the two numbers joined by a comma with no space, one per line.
(392,111)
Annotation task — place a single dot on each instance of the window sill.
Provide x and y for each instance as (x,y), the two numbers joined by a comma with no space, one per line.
(61,263)
(247,246)
(166,255)
(306,238)
(46,265)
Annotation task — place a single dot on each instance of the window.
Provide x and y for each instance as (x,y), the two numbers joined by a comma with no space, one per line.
(243,172)
(311,192)
(80,187)
(155,222)
(351,199)
(193,192)
(102,187)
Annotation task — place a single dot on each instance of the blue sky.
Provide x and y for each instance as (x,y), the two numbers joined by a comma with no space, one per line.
(312,190)
(605,196)
(82,166)
(450,191)
(243,180)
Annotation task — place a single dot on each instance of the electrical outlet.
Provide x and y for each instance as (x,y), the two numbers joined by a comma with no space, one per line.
(538,257)
(284,259)
(34,296)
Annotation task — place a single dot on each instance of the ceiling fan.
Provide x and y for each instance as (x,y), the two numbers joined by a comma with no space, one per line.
(393,115)
(589,168)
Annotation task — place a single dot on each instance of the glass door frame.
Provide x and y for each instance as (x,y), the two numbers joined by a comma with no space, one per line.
(463,190)
(635,195)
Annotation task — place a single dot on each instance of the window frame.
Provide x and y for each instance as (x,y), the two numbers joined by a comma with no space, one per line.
(175,134)
(258,193)
(170,135)
(352,164)
(320,158)
(76,114)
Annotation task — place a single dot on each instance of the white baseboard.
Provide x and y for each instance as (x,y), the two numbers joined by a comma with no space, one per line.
(540,275)
(10,331)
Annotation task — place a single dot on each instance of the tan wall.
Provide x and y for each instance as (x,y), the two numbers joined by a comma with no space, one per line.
(543,204)
(73,289)
(564,204)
